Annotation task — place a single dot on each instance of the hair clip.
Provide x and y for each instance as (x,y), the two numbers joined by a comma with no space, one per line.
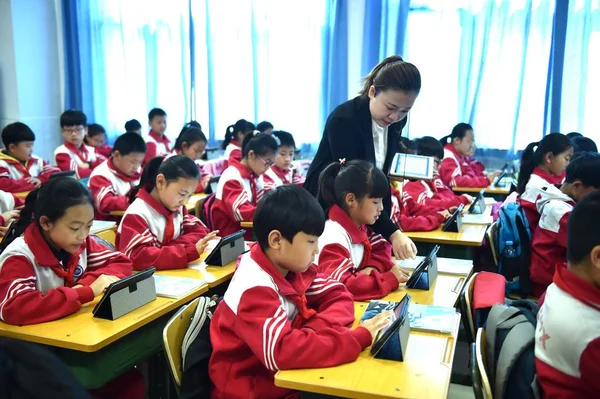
(535,147)
(276,140)
(230,129)
(256,132)
(342,161)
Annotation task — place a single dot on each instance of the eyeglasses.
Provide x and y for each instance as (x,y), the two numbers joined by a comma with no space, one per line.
(267,163)
(73,130)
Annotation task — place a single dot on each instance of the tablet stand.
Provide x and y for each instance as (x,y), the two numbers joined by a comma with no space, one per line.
(127,299)
(427,278)
(455,225)
(479,208)
(228,253)
(395,347)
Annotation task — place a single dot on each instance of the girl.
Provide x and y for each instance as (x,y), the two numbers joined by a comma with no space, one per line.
(234,137)
(156,229)
(241,184)
(96,137)
(55,267)
(543,164)
(192,143)
(458,169)
(283,172)
(352,194)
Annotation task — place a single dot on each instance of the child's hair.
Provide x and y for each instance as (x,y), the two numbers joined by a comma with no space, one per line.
(583,144)
(95,129)
(132,125)
(585,169)
(533,155)
(458,131)
(128,143)
(73,117)
(582,228)
(407,146)
(264,125)
(189,135)
(154,112)
(285,138)
(16,133)
(357,177)
(191,124)
(290,209)
(260,143)
(393,73)
(52,200)
(240,126)
(572,135)
(429,147)
(172,168)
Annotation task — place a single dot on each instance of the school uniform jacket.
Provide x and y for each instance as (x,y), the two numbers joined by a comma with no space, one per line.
(8,202)
(267,322)
(344,250)
(237,195)
(156,146)
(411,216)
(68,157)
(433,193)
(151,235)
(36,286)
(275,177)
(110,189)
(549,240)
(13,174)
(539,181)
(104,150)
(459,171)
(233,151)
(567,338)
(348,134)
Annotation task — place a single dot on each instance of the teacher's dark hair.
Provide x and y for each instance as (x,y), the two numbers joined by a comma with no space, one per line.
(393,73)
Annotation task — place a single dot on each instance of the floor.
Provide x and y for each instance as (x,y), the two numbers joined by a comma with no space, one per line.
(460,392)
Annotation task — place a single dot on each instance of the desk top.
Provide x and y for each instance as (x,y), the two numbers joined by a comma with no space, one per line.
(247,225)
(500,190)
(470,235)
(213,275)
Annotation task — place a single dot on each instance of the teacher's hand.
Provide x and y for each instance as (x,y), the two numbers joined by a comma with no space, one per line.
(402,246)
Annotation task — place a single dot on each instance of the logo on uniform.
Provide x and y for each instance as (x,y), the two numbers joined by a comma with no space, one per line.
(78,271)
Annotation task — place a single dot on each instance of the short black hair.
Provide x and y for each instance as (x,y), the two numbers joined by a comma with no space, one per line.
(582,228)
(130,142)
(585,169)
(264,125)
(284,138)
(16,133)
(73,117)
(407,146)
(132,125)
(154,112)
(95,129)
(583,144)
(290,209)
(572,135)
(429,147)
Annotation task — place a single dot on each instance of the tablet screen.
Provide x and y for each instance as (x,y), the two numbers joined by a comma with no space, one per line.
(412,166)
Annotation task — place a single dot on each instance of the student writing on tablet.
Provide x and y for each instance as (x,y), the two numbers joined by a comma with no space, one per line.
(368,128)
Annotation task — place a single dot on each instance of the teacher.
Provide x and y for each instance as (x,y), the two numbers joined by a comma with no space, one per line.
(368,128)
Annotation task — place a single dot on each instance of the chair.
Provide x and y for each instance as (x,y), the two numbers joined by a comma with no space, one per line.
(491,235)
(481,381)
(173,334)
(468,303)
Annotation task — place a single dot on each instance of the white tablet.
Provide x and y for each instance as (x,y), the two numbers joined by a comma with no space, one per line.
(412,166)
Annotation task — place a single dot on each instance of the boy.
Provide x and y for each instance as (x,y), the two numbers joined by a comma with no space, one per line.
(19,169)
(567,337)
(157,143)
(549,240)
(133,126)
(282,171)
(278,313)
(74,154)
(111,182)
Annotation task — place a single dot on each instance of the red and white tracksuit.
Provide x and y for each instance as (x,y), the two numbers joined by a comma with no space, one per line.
(433,193)
(457,170)
(411,216)
(156,146)
(275,177)
(68,157)
(539,181)
(110,189)
(267,322)
(104,150)
(233,151)
(13,174)
(151,235)
(8,202)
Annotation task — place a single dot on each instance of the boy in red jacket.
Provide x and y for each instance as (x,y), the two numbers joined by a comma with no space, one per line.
(278,312)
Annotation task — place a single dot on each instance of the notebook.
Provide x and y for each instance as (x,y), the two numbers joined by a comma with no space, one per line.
(176,287)
(431,318)
(460,267)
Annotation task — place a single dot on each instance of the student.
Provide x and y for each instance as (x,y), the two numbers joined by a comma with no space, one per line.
(265,127)
(433,193)
(9,210)
(111,182)
(583,144)
(549,241)
(411,216)
(156,229)
(567,336)
(458,169)
(158,145)
(74,154)
(542,166)
(133,126)
(20,170)
(234,137)
(278,312)
(241,185)
(283,172)
(574,135)
(352,194)
(96,137)
(192,143)
(55,267)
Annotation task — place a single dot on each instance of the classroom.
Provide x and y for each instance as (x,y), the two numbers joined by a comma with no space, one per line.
(299,199)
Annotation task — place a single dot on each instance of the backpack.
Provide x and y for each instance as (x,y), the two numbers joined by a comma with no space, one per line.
(514,260)
(510,348)
(196,350)
(206,211)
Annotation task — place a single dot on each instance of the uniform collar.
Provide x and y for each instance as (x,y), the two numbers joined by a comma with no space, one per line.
(244,171)
(164,139)
(145,196)
(120,175)
(577,287)
(42,251)
(357,234)
(550,178)
(459,157)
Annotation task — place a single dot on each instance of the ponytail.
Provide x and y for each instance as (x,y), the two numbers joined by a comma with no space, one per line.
(189,135)
(241,126)
(458,132)
(528,164)
(393,73)
(326,192)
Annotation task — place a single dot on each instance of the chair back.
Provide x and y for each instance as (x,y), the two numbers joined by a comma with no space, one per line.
(481,382)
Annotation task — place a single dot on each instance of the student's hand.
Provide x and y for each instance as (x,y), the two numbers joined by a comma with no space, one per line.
(205,180)
(368,270)
(445,214)
(203,243)
(400,274)
(10,215)
(84,166)
(3,231)
(468,197)
(492,176)
(34,180)
(102,282)
(402,246)
(378,322)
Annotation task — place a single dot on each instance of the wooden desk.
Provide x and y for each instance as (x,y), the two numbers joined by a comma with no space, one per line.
(470,235)
(493,190)
(22,194)
(247,225)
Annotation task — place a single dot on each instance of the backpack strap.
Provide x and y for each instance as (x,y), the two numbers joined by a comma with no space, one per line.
(498,314)
(519,338)
(196,323)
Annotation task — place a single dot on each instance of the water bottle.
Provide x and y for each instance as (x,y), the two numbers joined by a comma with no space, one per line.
(509,250)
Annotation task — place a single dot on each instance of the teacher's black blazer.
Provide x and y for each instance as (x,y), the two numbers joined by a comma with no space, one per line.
(348,134)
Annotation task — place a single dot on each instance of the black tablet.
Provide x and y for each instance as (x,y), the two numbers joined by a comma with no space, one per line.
(421,267)
(214,257)
(452,218)
(211,187)
(478,204)
(123,283)
(400,314)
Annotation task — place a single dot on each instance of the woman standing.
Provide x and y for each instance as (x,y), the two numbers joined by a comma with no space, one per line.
(368,128)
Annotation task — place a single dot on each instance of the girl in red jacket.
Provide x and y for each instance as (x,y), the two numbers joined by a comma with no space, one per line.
(352,194)
(156,229)
(411,216)
(192,143)
(234,137)
(458,169)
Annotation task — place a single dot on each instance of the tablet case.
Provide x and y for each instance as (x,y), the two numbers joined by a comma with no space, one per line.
(478,206)
(427,277)
(454,224)
(394,348)
(227,250)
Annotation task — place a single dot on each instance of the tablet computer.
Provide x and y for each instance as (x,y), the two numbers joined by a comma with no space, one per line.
(421,267)
(211,187)
(215,257)
(400,316)
(478,204)
(129,281)
(412,166)
(453,218)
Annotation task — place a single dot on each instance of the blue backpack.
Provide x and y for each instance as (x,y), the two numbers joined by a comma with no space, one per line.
(513,243)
